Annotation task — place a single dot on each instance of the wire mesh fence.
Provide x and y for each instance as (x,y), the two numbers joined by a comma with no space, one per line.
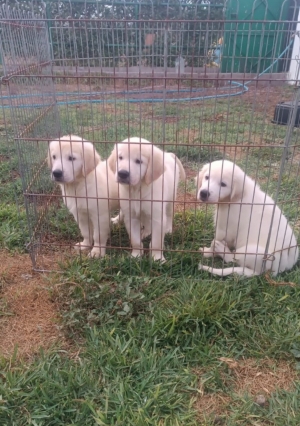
(204,81)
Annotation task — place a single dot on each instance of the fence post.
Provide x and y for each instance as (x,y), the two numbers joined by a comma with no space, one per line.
(49,23)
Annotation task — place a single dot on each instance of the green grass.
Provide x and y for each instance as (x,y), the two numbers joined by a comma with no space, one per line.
(14,233)
(141,338)
(139,332)
(13,228)
(184,311)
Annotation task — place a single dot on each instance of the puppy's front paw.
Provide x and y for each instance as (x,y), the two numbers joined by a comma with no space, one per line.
(206,251)
(83,246)
(97,252)
(115,220)
(136,253)
(169,229)
(169,226)
(220,247)
(159,258)
(145,232)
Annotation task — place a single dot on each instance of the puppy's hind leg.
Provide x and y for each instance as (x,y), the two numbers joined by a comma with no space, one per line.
(217,248)
(169,218)
(207,251)
(239,270)
(222,250)
(254,257)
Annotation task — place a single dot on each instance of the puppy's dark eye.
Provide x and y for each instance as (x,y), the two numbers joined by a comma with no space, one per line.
(206,177)
(223,184)
(120,157)
(54,157)
(138,161)
(71,158)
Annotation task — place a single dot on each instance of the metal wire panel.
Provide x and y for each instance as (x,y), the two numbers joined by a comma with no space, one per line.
(193,78)
(25,52)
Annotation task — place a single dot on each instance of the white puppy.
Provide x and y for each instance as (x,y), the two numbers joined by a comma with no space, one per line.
(148,180)
(88,187)
(245,225)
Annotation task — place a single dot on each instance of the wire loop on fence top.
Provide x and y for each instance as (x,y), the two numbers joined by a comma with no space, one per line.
(269,256)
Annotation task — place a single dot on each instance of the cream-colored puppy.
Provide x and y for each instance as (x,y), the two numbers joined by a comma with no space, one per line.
(148,180)
(250,226)
(88,187)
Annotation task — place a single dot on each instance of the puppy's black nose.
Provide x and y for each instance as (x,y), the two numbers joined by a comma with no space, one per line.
(57,174)
(204,194)
(123,174)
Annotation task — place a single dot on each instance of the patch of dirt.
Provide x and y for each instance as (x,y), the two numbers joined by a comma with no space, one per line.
(3,158)
(234,152)
(188,136)
(190,173)
(257,378)
(216,117)
(265,98)
(186,201)
(295,154)
(212,404)
(15,174)
(29,319)
(261,376)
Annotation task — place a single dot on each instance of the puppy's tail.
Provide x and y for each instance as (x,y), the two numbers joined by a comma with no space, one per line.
(180,166)
(240,270)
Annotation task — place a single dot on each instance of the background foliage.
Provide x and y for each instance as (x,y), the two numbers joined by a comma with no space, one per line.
(113,37)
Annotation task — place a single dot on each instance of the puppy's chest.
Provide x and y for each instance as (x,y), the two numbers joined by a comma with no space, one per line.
(75,200)
(136,208)
(233,221)
(133,204)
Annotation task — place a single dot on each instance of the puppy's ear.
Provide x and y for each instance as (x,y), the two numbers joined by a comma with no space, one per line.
(181,168)
(155,165)
(199,178)
(91,158)
(112,160)
(49,161)
(238,184)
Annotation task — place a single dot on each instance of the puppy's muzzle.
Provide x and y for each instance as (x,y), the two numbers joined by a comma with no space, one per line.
(123,176)
(57,174)
(204,195)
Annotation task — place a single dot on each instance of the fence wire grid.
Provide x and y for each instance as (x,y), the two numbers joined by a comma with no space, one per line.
(205,81)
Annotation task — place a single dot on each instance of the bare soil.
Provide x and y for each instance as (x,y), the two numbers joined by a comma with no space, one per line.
(29,319)
(257,378)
